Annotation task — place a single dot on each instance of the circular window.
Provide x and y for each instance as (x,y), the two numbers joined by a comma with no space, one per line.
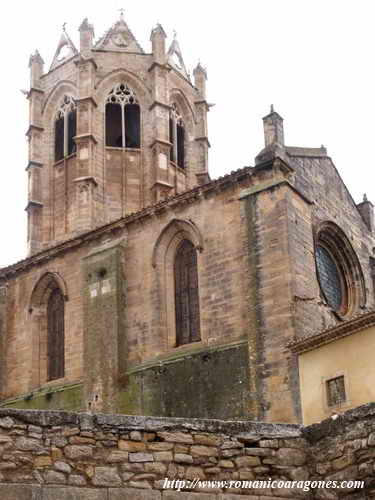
(330,278)
(338,270)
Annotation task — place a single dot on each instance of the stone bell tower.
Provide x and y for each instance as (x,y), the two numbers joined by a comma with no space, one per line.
(113,129)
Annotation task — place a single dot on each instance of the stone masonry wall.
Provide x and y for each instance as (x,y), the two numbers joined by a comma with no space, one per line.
(48,455)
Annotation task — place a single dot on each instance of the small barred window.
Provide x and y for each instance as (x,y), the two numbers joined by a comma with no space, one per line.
(329,277)
(336,394)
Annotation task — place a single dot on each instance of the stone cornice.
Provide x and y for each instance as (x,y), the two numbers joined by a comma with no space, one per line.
(265,186)
(191,196)
(34,89)
(161,142)
(33,128)
(33,204)
(161,104)
(204,102)
(203,139)
(87,99)
(83,137)
(33,163)
(89,179)
(161,183)
(159,65)
(342,330)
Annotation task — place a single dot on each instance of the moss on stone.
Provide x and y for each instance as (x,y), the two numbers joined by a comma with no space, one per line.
(52,398)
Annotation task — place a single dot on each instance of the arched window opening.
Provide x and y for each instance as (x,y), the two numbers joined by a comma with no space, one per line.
(338,270)
(186,294)
(55,336)
(65,128)
(177,137)
(122,118)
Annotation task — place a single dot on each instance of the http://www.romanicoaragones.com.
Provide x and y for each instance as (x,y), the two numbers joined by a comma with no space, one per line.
(184,484)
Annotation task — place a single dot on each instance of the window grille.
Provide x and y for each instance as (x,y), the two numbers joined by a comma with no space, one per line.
(186,294)
(336,391)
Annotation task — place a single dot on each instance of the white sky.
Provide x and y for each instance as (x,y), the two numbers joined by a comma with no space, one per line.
(312,59)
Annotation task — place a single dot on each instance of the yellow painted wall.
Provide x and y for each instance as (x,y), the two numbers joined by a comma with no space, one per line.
(353,357)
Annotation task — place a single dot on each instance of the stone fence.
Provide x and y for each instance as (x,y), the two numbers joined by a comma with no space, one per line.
(55,455)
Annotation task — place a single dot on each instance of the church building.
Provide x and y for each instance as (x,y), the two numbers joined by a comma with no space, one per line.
(150,289)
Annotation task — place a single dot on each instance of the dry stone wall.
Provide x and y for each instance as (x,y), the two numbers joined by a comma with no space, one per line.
(79,456)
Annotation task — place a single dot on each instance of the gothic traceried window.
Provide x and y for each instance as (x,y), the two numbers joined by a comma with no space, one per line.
(55,335)
(177,137)
(65,128)
(122,118)
(186,294)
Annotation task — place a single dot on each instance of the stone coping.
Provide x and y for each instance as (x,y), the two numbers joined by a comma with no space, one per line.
(238,428)
(337,424)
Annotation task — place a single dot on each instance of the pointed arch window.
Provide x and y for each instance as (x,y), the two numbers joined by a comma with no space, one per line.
(177,137)
(65,128)
(186,294)
(122,118)
(55,335)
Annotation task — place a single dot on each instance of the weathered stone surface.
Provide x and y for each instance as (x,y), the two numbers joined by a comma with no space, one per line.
(207,439)
(176,437)
(53,477)
(160,446)
(6,422)
(76,452)
(133,494)
(247,461)
(182,458)
(63,467)
(81,440)
(71,493)
(28,444)
(204,451)
(20,492)
(291,456)
(156,467)
(180,495)
(342,462)
(227,464)
(371,439)
(141,457)
(106,476)
(136,436)
(117,456)
(77,480)
(132,446)
(163,456)
(42,461)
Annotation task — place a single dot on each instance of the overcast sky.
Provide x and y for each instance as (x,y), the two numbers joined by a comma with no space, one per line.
(314,60)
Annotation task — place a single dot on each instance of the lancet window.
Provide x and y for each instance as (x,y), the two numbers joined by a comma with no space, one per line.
(186,294)
(65,128)
(55,335)
(177,137)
